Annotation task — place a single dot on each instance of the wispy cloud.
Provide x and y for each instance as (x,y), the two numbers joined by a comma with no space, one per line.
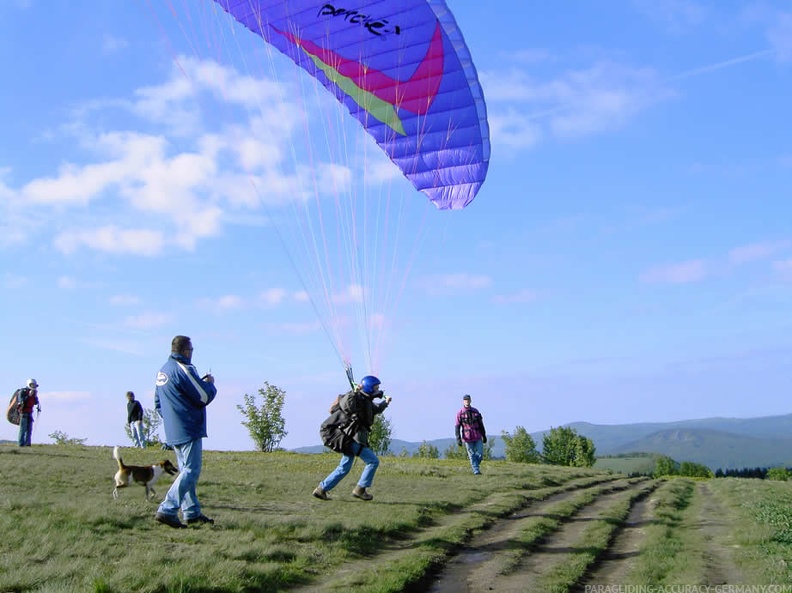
(784,268)
(456,283)
(780,36)
(724,64)
(147,320)
(582,101)
(225,302)
(675,15)
(757,251)
(696,270)
(294,328)
(112,239)
(14,281)
(112,43)
(66,396)
(124,300)
(526,295)
(678,273)
(67,282)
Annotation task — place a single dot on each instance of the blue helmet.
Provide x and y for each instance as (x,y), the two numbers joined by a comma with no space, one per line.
(369,384)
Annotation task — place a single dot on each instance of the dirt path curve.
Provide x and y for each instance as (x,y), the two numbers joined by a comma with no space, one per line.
(481,565)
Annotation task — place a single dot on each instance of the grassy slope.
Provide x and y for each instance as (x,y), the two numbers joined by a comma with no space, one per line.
(62,530)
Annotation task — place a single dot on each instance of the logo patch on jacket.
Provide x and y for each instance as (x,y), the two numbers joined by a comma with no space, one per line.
(162,379)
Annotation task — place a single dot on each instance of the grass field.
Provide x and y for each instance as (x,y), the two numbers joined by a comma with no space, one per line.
(63,531)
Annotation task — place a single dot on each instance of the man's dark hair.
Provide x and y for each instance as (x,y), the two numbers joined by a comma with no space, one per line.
(179,343)
(129,393)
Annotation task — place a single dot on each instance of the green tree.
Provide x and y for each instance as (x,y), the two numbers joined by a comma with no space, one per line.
(455,451)
(380,435)
(564,446)
(585,452)
(151,423)
(664,466)
(781,474)
(694,470)
(265,423)
(61,438)
(427,450)
(520,447)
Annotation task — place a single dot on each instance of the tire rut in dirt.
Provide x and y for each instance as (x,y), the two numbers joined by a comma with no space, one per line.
(719,565)
(616,562)
(480,566)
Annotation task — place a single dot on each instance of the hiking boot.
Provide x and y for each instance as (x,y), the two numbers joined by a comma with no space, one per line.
(360,492)
(320,494)
(169,520)
(200,520)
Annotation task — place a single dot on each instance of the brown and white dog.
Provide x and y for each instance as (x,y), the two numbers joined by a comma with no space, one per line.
(145,475)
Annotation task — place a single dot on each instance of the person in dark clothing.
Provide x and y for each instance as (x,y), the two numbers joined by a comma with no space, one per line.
(135,420)
(364,394)
(470,431)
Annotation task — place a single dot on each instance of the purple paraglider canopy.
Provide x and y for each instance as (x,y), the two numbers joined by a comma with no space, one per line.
(402,68)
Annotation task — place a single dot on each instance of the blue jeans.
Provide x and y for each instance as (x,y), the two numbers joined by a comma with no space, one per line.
(181,494)
(367,477)
(475,451)
(25,430)
(137,433)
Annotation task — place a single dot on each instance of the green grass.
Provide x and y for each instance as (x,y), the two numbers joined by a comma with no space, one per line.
(63,531)
(761,511)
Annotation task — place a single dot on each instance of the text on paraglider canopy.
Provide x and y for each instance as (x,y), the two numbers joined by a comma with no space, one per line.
(375,26)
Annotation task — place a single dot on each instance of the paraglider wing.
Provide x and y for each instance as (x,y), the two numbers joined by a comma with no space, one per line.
(402,68)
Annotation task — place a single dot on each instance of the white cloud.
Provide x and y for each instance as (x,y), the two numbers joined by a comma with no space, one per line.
(14,281)
(65,396)
(112,239)
(111,43)
(294,328)
(225,302)
(354,293)
(757,251)
(678,273)
(273,296)
(780,36)
(526,295)
(456,283)
(124,300)
(784,268)
(676,15)
(67,283)
(147,320)
(584,101)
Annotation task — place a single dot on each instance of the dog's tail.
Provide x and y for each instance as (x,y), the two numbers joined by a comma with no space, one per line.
(117,457)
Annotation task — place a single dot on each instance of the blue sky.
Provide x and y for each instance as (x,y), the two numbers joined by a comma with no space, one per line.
(628,259)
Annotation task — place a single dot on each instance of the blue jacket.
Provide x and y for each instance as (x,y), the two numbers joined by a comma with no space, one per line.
(180,398)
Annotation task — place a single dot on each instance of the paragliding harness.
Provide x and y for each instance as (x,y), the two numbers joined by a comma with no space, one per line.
(338,430)
(15,404)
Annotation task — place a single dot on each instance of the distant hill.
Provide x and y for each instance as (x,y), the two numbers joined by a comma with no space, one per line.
(715,448)
(718,443)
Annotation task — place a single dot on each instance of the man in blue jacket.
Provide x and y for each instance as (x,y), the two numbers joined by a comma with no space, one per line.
(180,398)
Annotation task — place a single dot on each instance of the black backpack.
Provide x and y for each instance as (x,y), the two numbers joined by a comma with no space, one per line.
(13,414)
(337,430)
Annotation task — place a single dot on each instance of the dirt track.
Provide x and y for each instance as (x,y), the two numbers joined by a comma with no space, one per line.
(525,551)
(483,565)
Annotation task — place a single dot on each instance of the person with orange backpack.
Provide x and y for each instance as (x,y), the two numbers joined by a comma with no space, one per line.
(27,399)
